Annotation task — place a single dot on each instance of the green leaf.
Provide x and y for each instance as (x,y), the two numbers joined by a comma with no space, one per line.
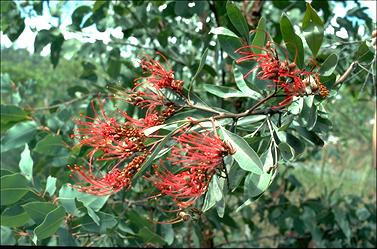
(292,41)
(50,145)
(200,67)
(18,135)
(310,136)
(260,36)
(241,84)
(286,151)
(7,237)
(42,38)
(106,221)
(50,224)
(14,217)
(26,164)
(12,113)
(13,188)
(37,210)
(78,15)
(158,148)
(230,44)
(56,47)
(168,232)
(256,184)
(238,20)
(213,194)
(309,113)
(50,185)
(114,63)
(312,26)
(365,53)
(245,156)
(223,91)
(341,219)
(329,65)
(223,31)
(148,236)
(137,219)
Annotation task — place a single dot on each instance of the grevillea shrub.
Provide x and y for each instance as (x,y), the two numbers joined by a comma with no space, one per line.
(187,124)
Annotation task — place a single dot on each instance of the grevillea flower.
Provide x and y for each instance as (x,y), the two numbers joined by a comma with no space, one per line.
(112,182)
(199,155)
(114,139)
(158,76)
(285,75)
(199,150)
(184,187)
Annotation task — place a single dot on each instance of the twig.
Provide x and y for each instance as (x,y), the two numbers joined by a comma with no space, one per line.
(347,73)
(68,102)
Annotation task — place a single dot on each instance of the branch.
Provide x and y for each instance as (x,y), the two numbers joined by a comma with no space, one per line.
(347,73)
(68,102)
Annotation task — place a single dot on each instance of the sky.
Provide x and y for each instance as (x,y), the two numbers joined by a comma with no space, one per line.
(91,34)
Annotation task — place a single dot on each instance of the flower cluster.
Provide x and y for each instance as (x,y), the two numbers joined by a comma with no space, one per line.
(195,159)
(121,143)
(284,74)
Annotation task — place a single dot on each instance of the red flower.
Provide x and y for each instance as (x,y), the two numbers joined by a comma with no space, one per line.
(184,187)
(112,182)
(200,154)
(114,139)
(284,74)
(199,151)
(158,76)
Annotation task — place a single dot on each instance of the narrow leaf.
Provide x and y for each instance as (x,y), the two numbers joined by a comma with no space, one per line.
(238,20)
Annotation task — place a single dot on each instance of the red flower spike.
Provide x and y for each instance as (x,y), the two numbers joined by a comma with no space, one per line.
(112,182)
(184,187)
(200,154)
(115,140)
(199,151)
(158,76)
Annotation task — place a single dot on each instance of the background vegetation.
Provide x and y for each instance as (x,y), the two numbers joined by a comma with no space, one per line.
(324,197)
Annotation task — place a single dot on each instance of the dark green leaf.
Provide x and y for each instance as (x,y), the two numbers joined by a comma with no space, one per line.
(223,91)
(312,26)
(37,210)
(238,20)
(18,135)
(11,113)
(107,221)
(365,53)
(56,47)
(148,236)
(260,36)
(78,15)
(286,151)
(50,145)
(50,224)
(292,41)
(14,217)
(13,188)
(114,63)
(329,65)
